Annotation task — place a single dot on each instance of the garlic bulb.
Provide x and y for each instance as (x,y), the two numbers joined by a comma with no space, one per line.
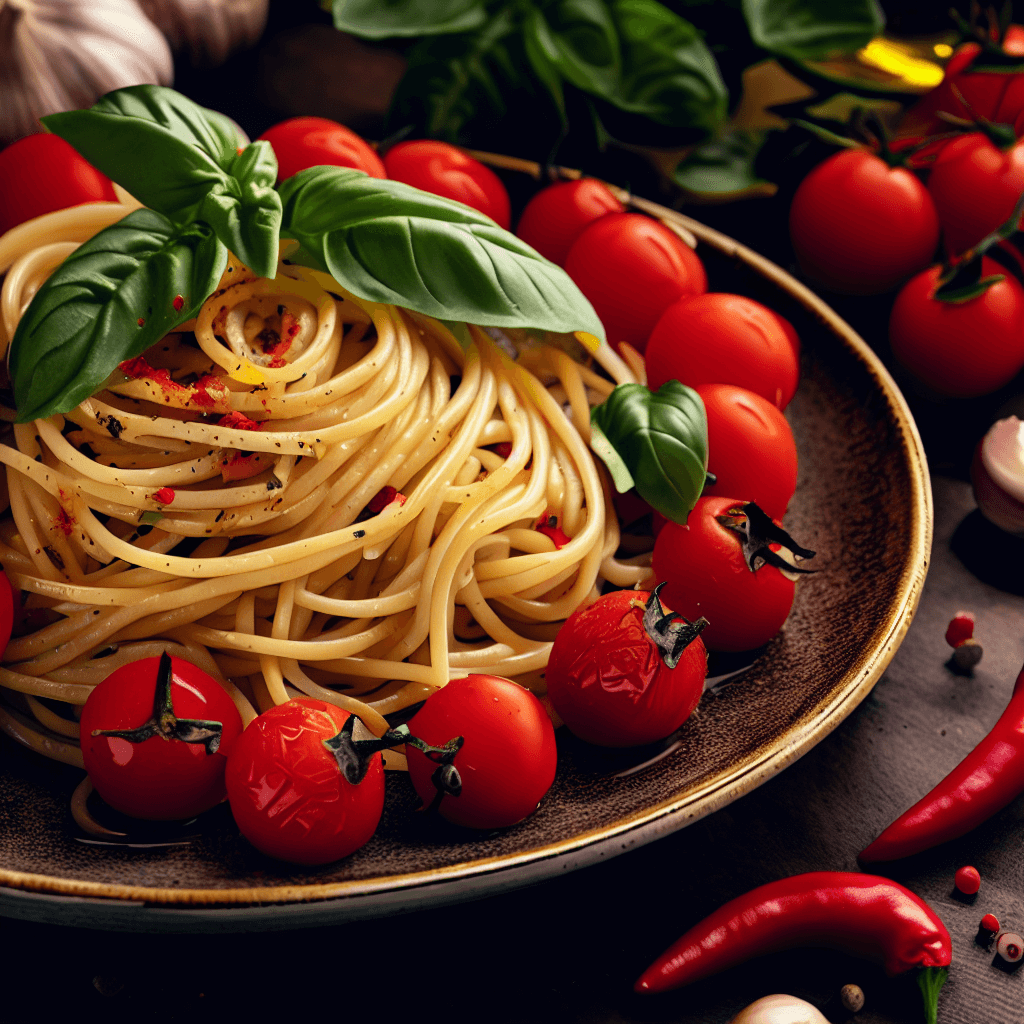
(779,1009)
(208,29)
(65,54)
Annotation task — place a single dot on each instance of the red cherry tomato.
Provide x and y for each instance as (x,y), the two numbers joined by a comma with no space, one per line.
(860,226)
(718,338)
(43,173)
(147,770)
(302,142)
(446,171)
(705,573)
(751,450)
(961,349)
(288,796)
(632,268)
(608,677)
(9,601)
(507,762)
(554,217)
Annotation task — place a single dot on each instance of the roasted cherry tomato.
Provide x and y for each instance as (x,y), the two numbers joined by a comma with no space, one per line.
(860,226)
(302,142)
(288,793)
(555,216)
(632,268)
(506,762)
(716,338)
(156,735)
(43,173)
(625,671)
(446,171)
(751,451)
(706,572)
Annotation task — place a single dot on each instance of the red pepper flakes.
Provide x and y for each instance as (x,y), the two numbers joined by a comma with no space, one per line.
(386,496)
(165,496)
(178,303)
(550,528)
(141,321)
(201,391)
(64,522)
(236,421)
(967,880)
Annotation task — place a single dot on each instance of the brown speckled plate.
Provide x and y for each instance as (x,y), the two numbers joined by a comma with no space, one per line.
(863,503)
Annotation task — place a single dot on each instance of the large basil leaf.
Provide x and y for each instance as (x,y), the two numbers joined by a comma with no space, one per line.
(812,29)
(108,301)
(389,242)
(182,160)
(386,19)
(661,439)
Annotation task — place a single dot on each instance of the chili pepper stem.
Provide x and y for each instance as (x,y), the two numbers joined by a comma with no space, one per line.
(930,981)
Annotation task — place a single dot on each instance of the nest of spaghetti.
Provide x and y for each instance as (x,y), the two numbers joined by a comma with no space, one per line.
(303,493)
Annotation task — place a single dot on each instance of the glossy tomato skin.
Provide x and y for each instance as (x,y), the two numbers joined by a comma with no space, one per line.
(507,762)
(555,217)
(608,682)
(158,779)
(751,449)
(444,170)
(861,227)
(717,338)
(705,573)
(632,268)
(302,142)
(287,794)
(960,349)
(42,173)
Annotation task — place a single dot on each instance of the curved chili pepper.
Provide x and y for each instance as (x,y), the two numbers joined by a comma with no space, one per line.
(984,782)
(863,914)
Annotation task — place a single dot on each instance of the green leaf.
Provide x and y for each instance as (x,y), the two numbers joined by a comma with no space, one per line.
(605,450)
(182,160)
(812,29)
(662,438)
(724,167)
(543,60)
(388,19)
(389,242)
(109,301)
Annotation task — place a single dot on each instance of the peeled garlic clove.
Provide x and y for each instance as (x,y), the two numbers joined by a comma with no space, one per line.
(780,1009)
(997,475)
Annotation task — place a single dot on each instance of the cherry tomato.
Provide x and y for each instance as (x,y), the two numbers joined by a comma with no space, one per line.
(617,679)
(860,226)
(508,758)
(632,268)
(156,735)
(288,795)
(43,173)
(555,216)
(302,142)
(751,450)
(446,171)
(961,349)
(718,338)
(705,573)
(9,601)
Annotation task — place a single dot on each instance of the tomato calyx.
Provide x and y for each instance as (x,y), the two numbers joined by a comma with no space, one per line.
(163,721)
(670,632)
(757,532)
(991,57)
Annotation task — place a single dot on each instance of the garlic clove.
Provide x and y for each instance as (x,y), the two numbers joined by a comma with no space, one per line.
(209,30)
(997,475)
(780,1009)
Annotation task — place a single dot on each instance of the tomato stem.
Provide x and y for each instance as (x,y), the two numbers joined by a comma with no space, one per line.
(670,632)
(757,531)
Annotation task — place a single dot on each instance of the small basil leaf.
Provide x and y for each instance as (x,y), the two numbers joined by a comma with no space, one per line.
(108,301)
(662,438)
(388,242)
(581,41)
(387,19)
(724,167)
(605,450)
(812,29)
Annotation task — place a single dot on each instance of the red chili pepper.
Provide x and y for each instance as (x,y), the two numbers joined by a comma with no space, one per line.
(982,784)
(863,914)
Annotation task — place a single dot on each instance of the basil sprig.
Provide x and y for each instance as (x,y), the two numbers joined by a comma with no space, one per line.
(655,441)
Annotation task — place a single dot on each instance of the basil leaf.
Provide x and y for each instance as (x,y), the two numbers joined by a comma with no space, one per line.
(662,438)
(182,160)
(581,41)
(388,242)
(724,167)
(385,19)
(108,301)
(812,29)
(543,58)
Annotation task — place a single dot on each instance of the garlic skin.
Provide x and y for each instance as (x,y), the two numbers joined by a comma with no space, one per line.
(997,475)
(779,1009)
(208,30)
(65,54)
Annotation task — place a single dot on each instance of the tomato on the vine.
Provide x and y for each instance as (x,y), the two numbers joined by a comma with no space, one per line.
(632,268)
(861,226)
(717,338)
(445,170)
(288,791)
(506,762)
(156,735)
(625,670)
(43,173)
(554,218)
(302,142)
